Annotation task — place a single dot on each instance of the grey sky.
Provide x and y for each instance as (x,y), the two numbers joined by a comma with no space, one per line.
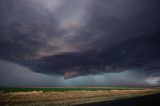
(85,40)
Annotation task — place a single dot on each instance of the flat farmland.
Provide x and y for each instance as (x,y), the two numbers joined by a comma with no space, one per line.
(68,96)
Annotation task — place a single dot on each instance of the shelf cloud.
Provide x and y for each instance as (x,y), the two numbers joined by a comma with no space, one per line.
(81,37)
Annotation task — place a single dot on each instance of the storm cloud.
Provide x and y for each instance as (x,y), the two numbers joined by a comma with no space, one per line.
(81,37)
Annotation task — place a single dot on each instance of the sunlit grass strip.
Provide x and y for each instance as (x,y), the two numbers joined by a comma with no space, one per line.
(40,98)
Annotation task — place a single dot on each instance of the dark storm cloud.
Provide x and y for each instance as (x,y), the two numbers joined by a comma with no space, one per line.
(12,74)
(81,37)
(114,20)
(24,28)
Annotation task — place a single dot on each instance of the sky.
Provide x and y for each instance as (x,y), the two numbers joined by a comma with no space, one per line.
(74,43)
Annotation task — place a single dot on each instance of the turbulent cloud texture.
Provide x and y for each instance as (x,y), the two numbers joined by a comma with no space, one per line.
(81,37)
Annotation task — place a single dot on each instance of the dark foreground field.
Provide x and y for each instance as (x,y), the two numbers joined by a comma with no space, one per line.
(75,96)
(149,100)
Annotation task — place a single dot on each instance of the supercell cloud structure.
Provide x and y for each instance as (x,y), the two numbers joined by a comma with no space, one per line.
(74,38)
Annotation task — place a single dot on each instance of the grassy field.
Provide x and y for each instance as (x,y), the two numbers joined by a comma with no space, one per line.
(56,89)
(67,96)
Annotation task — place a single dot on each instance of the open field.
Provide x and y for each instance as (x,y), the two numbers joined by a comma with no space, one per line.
(62,89)
(147,100)
(67,96)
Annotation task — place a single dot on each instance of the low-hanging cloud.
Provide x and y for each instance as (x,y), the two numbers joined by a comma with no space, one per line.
(74,38)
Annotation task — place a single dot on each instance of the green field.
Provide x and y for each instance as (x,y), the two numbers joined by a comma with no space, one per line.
(55,89)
